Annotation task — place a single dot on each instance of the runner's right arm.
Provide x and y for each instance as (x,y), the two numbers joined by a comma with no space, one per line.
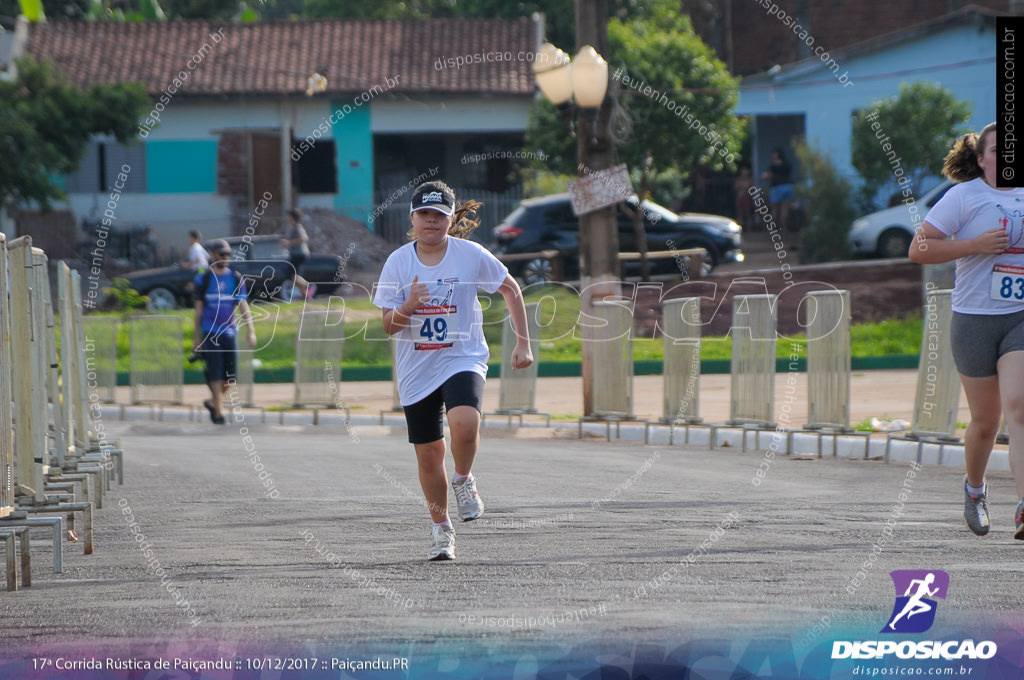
(396,319)
(932,246)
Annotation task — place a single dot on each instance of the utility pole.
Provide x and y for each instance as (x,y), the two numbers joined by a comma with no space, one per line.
(599,238)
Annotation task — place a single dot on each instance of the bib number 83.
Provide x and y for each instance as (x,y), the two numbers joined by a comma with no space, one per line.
(1007,286)
(436,331)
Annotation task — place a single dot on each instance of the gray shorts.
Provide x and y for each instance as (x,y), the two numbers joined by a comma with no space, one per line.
(978,340)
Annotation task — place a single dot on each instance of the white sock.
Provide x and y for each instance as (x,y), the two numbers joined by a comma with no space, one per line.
(975,491)
(446,523)
(459,478)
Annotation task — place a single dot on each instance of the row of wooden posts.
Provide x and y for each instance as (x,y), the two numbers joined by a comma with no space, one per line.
(753,366)
(157,374)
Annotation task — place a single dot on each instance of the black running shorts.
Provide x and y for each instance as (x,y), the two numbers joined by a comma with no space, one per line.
(219,354)
(425,418)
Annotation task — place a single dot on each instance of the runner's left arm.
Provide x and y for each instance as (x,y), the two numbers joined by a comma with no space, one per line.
(522,355)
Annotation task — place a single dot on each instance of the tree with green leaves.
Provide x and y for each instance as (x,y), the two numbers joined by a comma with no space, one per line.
(906,135)
(670,86)
(153,10)
(676,98)
(138,10)
(558,14)
(677,93)
(46,125)
(89,10)
(52,9)
(830,210)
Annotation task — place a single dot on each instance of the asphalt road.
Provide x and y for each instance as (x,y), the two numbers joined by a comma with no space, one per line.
(582,541)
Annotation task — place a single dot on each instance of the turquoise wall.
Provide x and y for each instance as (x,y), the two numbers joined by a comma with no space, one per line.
(181,166)
(354,147)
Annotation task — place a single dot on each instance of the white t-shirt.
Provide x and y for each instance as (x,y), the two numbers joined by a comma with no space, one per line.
(985,284)
(445,336)
(198,259)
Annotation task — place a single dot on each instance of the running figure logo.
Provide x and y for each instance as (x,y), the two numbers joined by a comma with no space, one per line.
(914,611)
(1013,224)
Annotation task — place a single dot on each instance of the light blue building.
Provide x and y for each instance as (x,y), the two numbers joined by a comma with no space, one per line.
(817,97)
(241,113)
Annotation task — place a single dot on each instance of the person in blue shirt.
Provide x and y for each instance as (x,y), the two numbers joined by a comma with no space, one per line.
(218,291)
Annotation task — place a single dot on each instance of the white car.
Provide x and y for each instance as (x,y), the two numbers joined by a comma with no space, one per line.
(887,233)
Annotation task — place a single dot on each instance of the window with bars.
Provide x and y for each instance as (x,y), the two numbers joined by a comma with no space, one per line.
(101,164)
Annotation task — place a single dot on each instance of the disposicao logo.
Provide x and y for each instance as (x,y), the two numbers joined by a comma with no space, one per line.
(914,612)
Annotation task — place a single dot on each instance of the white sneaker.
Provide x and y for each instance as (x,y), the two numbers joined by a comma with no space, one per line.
(444,544)
(976,510)
(470,505)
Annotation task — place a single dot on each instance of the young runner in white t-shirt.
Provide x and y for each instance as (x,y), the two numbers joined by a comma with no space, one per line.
(986,224)
(428,294)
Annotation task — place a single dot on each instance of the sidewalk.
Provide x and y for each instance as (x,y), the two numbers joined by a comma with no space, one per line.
(886,394)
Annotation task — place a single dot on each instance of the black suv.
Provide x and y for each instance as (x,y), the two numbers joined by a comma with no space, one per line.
(548,223)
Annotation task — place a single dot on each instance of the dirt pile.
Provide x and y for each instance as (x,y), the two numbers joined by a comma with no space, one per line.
(362,251)
(879,289)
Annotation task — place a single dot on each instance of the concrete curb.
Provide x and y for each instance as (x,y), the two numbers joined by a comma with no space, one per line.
(770,442)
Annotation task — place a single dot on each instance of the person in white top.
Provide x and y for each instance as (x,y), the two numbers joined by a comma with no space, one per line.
(981,226)
(428,295)
(198,259)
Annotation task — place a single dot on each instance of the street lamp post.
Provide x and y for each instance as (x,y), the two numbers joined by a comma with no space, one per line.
(585,79)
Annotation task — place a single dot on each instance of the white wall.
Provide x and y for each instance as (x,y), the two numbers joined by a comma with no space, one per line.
(173,215)
(202,120)
(451,114)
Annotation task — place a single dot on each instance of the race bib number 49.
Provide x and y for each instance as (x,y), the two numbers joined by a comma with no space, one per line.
(433,327)
(1007,283)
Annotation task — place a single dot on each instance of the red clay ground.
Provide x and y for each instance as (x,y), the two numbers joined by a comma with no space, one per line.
(879,289)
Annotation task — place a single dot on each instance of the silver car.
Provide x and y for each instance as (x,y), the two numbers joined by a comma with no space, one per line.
(887,233)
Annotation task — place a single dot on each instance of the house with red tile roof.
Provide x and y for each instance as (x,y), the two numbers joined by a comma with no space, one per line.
(311,114)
